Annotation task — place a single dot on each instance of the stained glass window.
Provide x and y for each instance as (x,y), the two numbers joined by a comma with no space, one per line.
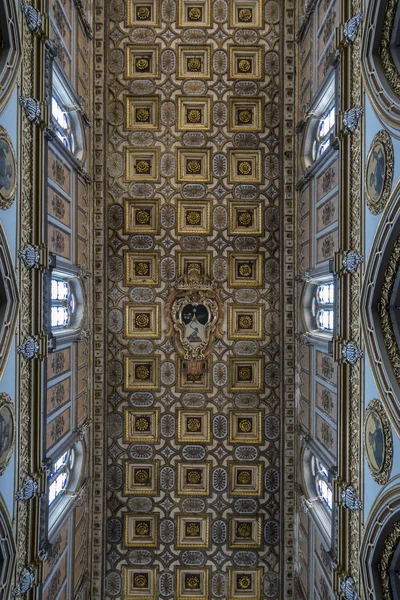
(324,131)
(322,484)
(62,124)
(324,306)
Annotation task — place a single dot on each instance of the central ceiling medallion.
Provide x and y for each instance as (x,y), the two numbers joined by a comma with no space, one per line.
(194,314)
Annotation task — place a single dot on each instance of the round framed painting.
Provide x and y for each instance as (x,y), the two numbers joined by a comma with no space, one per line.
(378,442)
(379,172)
(8,170)
(7,430)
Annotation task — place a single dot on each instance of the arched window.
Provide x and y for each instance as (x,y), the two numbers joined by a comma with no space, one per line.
(65,118)
(324,131)
(62,123)
(63,303)
(322,484)
(60,475)
(323,306)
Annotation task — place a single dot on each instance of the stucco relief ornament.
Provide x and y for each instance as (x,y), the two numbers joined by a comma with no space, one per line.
(194,314)
(30,256)
(28,490)
(350,498)
(351,353)
(351,27)
(32,16)
(26,582)
(348,589)
(29,349)
(32,109)
(351,261)
(351,118)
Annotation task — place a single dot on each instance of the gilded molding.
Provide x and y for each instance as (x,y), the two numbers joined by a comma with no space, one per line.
(389,68)
(389,547)
(377,205)
(382,474)
(389,336)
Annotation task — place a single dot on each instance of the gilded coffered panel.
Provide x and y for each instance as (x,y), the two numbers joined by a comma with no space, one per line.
(194,366)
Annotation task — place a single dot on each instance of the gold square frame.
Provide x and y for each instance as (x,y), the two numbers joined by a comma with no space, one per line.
(245,114)
(197,56)
(141,216)
(140,583)
(142,320)
(187,382)
(245,62)
(244,584)
(141,373)
(246,13)
(133,66)
(185,578)
(246,374)
(141,268)
(245,426)
(245,166)
(135,535)
(194,217)
(194,266)
(200,11)
(142,425)
(245,531)
(193,531)
(245,270)
(141,478)
(142,113)
(136,160)
(190,160)
(194,114)
(194,426)
(245,321)
(245,479)
(194,479)
(245,218)
(142,13)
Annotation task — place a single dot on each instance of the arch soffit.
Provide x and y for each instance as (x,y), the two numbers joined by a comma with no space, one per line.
(380,278)
(9,63)
(382,524)
(380,72)
(7,549)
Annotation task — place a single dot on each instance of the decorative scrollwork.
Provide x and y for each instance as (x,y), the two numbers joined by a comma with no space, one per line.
(26,581)
(351,353)
(30,256)
(348,589)
(32,109)
(29,349)
(351,27)
(350,498)
(351,261)
(28,490)
(351,118)
(32,16)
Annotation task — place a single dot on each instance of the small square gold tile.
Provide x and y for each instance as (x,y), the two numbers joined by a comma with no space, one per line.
(194,165)
(245,270)
(142,425)
(141,478)
(245,62)
(193,531)
(245,426)
(194,13)
(193,479)
(245,374)
(142,165)
(140,583)
(142,62)
(245,532)
(142,13)
(142,113)
(244,584)
(142,373)
(245,322)
(245,479)
(142,320)
(245,166)
(141,531)
(194,62)
(246,13)
(141,216)
(194,217)
(142,269)
(192,583)
(194,114)
(194,426)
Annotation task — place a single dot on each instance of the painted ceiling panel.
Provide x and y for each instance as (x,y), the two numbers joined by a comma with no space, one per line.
(194,188)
